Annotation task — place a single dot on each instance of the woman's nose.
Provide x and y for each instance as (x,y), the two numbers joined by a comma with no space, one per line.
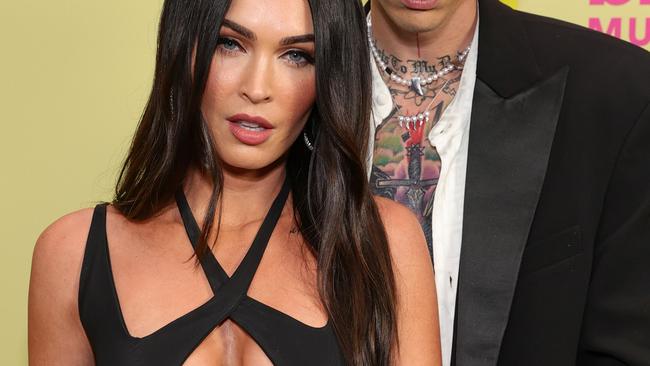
(257,81)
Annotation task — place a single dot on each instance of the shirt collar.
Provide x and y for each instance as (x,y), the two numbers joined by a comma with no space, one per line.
(458,113)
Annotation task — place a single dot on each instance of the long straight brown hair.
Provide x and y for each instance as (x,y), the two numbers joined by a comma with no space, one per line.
(334,208)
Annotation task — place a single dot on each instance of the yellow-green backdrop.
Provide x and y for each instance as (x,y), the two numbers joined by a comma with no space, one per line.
(74,77)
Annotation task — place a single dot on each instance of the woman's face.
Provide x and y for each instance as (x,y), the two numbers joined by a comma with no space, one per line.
(262,84)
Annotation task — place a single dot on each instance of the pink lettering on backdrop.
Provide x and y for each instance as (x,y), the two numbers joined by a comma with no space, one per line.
(613,29)
(616,2)
(644,40)
(637,28)
(609,2)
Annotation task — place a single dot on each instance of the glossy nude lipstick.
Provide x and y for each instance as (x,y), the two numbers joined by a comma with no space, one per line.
(249,130)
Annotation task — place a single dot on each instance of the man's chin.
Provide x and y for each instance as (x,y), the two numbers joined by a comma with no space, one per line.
(417,21)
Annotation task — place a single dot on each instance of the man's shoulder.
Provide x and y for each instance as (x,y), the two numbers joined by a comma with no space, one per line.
(558,42)
(600,66)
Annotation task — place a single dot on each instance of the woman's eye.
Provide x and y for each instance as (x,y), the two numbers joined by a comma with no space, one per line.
(228,44)
(299,58)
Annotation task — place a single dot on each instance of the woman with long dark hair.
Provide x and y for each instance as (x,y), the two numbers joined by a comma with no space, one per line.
(251,150)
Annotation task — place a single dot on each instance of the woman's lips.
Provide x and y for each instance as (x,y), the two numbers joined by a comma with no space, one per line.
(420,4)
(249,130)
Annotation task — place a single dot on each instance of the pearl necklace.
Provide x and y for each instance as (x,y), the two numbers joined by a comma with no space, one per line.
(415,83)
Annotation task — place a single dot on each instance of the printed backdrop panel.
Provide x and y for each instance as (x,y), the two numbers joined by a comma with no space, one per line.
(625,19)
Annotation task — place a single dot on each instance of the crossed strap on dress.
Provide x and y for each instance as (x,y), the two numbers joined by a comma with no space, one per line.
(243,276)
(229,292)
(284,339)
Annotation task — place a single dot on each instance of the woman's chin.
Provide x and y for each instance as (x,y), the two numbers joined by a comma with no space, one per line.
(251,164)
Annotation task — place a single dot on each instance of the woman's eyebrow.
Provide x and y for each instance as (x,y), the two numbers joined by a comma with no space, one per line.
(245,32)
(297,39)
(250,35)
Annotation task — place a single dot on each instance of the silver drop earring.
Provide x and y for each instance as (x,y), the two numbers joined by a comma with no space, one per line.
(307,142)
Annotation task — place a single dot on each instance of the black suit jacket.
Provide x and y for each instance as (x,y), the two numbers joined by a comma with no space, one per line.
(555,259)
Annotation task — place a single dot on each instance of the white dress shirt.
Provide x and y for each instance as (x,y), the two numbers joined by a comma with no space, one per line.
(450,136)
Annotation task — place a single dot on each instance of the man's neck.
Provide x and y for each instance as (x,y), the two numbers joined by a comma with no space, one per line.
(453,35)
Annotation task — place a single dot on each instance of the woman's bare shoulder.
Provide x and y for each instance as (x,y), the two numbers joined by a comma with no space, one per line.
(417,316)
(403,230)
(55,331)
(394,211)
(58,252)
(65,236)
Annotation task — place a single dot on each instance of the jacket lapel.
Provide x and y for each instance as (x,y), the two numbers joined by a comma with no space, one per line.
(514,116)
(510,142)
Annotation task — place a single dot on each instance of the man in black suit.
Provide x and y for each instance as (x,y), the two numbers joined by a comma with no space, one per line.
(533,136)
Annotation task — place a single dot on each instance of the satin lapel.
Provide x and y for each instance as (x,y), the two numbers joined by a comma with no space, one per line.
(509,146)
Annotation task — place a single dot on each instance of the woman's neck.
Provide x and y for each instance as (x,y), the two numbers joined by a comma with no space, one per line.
(246,195)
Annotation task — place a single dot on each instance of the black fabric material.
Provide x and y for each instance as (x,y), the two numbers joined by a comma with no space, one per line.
(285,340)
(504,182)
(555,260)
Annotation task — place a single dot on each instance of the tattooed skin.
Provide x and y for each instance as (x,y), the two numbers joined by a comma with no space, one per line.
(405,166)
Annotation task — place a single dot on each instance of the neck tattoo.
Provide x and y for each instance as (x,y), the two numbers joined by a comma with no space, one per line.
(417,83)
